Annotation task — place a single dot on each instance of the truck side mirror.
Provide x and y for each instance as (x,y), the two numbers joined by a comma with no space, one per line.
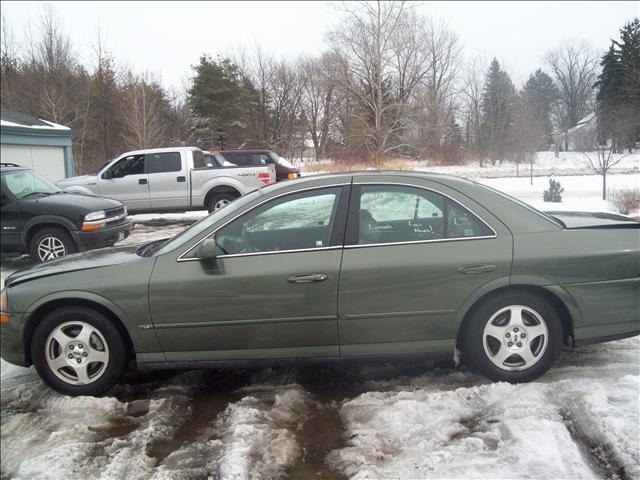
(107,175)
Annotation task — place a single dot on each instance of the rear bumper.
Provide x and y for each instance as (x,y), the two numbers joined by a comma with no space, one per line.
(11,345)
(101,238)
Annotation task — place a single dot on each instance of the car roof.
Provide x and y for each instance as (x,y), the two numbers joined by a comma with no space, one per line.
(10,167)
(242,150)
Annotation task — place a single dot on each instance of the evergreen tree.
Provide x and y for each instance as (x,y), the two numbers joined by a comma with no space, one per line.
(618,90)
(540,93)
(219,98)
(497,112)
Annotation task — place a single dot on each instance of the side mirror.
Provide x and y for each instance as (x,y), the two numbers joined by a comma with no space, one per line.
(208,250)
(107,175)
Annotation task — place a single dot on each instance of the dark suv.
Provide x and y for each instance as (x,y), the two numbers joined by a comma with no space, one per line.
(284,169)
(40,219)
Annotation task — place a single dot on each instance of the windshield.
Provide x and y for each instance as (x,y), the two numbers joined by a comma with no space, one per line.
(200,226)
(101,167)
(22,183)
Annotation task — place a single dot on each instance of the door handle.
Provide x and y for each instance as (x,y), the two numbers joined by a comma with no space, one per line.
(476,269)
(307,278)
(181,179)
(142,181)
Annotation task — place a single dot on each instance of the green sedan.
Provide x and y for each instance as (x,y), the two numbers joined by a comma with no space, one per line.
(345,266)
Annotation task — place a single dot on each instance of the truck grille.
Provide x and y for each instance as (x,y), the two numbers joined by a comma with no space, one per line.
(115,216)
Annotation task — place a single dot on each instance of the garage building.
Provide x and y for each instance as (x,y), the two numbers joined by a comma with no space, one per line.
(38,144)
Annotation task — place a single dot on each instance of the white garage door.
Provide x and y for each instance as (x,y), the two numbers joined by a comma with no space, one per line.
(47,161)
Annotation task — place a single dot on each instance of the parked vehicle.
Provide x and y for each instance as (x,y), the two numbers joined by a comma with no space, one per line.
(284,169)
(216,160)
(334,267)
(169,179)
(40,219)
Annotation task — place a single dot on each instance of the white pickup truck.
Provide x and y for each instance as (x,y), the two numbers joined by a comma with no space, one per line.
(169,179)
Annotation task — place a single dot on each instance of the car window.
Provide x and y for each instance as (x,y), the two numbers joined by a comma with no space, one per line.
(391,214)
(297,221)
(164,162)
(22,183)
(237,158)
(199,160)
(131,165)
(260,159)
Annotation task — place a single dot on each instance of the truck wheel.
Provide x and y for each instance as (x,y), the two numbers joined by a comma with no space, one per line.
(51,242)
(78,351)
(216,202)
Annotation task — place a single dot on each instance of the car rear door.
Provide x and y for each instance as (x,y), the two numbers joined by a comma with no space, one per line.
(168,185)
(126,180)
(414,253)
(273,294)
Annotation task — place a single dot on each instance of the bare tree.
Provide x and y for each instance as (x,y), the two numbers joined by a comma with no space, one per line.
(144,125)
(319,77)
(600,161)
(471,93)
(365,38)
(575,68)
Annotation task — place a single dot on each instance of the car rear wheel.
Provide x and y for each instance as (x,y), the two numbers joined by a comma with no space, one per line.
(514,337)
(219,201)
(78,351)
(50,243)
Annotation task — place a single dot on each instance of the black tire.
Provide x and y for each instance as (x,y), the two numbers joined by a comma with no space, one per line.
(105,374)
(214,202)
(48,235)
(485,352)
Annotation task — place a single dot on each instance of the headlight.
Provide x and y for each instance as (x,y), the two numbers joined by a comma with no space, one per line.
(93,216)
(125,210)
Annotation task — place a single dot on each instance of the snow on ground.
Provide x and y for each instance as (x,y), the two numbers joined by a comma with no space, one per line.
(375,420)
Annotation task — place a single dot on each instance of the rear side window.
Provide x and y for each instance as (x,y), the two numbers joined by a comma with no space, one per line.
(392,214)
(260,159)
(164,162)
(237,158)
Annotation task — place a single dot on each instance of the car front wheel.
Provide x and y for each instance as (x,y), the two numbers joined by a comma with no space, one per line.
(50,243)
(514,337)
(78,351)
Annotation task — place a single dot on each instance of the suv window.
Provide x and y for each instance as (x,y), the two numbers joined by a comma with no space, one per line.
(297,221)
(260,159)
(131,165)
(390,214)
(164,162)
(22,183)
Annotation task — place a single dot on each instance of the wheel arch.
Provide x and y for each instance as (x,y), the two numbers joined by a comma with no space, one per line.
(564,307)
(221,189)
(47,221)
(47,306)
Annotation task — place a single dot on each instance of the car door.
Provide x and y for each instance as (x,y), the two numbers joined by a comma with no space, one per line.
(168,186)
(127,181)
(271,294)
(414,253)
(11,222)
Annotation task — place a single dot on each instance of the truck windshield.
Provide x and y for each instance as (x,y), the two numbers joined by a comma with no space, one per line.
(22,183)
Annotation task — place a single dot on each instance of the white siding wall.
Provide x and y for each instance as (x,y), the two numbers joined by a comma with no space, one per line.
(47,161)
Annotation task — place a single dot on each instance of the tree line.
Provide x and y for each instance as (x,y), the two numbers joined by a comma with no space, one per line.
(390,82)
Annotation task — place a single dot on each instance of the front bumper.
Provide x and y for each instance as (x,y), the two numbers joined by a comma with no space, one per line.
(11,345)
(101,238)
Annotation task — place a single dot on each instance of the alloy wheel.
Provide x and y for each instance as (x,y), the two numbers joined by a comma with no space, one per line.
(51,247)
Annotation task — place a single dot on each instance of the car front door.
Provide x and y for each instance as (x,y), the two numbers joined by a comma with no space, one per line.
(413,255)
(127,181)
(11,222)
(168,186)
(272,293)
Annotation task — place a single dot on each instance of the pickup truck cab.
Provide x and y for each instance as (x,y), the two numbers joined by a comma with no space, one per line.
(169,179)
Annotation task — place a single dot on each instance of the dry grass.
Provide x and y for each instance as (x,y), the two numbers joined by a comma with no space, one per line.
(355,165)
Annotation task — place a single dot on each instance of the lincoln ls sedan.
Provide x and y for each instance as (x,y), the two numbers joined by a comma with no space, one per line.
(336,267)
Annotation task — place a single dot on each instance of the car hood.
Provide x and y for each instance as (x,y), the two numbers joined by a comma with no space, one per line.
(79,180)
(51,204)
(574,220)
(79,261)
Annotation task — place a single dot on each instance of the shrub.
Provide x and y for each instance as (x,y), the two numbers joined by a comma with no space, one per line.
(625,200)
(554,193)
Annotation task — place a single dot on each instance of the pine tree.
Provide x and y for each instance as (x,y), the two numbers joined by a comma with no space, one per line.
(218,99)
(497,112)
(541,93)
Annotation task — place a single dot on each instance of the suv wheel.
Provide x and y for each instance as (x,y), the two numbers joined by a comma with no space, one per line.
(78,351)
(50,243)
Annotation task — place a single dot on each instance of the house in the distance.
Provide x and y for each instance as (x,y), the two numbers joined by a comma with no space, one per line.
(39,144)
(580,137)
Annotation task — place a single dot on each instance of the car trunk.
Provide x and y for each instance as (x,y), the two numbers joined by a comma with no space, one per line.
(576,220)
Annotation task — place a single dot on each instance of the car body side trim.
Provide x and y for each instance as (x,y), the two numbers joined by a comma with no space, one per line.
(247,322)
(439,240)
(415,313)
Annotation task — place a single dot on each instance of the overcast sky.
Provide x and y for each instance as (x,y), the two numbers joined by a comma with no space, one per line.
(166,38)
